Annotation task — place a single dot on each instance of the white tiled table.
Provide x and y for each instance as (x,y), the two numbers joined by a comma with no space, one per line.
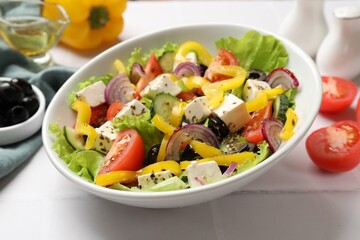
(294,200)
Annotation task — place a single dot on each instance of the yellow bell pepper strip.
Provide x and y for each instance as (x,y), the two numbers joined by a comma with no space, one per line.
(177,113)
(92,22)
(172,166)
(290,123)
(205,150)
(215,91)
(119,66)
(202,54)
(195,82)
(110,178)
(258,103)
(223,160)
(83,110)
(162,150)
(160,123)
(273,92)
(89,131)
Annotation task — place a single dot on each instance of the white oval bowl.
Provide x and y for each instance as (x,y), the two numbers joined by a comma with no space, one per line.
(307,105)
(23,130)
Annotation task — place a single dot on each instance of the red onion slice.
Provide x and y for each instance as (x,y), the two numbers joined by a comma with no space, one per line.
(283,77)
(185,135)
(137,71)
(271,128)
(119,88)
(231,168)
(187,69)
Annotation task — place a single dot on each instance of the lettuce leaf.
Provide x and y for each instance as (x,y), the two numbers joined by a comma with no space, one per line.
(256,51)
(142,124)
(60,145)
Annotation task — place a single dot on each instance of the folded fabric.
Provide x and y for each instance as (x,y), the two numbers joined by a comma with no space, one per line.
(49,80)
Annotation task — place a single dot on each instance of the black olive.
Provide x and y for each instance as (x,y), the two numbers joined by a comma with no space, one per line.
(10,93)
(189,153)
(218,127)
(31,103)
(3,107)
(17,115)
(24,85)
(152,154)
(203,69)
(257,75)
(3,121)
(233,143)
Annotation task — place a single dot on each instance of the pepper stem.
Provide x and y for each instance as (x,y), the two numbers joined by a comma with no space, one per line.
(98,17)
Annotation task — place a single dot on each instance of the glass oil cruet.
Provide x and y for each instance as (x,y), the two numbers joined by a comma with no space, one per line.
(26,27)
(339,53)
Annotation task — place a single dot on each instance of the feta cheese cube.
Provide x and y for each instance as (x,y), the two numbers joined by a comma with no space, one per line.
(161,84)
(197,110)
(93,94)
(147,181)
(105,138)
(202,173)
(232,111)
(252,87)
(132,108)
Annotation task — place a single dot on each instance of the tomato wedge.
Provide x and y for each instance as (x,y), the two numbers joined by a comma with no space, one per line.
(114,109)
(338,94)
(335,148)
(252,130)
(126,153)
(223,57)
(152,69)
(186,95)
(98,115)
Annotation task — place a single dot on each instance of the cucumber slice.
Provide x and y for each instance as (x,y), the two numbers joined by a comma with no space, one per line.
(74,139)
(166,62)
(163,105)
(281,104)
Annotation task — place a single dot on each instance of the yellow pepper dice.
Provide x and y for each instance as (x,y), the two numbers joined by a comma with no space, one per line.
(291,121)
(177,113)
(114,177)
(202,54)
(215,91)
(160,123)
(258,103)
(205,150)
(89,131)
(223,160)
(172,166)
(83,110)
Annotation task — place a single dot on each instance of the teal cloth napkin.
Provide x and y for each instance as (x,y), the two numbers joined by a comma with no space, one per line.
(49,80)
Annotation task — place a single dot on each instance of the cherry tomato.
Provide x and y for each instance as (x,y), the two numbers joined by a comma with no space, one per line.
(98,115)
(152,69)
(186,95)
(252,130)
(357,113)
(335,148)
(223,57)
(338,94)
(114,109)
(126,153)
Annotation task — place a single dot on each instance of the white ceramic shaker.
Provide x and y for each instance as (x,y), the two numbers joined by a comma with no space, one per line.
(339,54)
(305,25)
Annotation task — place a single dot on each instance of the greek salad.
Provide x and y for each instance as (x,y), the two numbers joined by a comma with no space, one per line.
(180,117)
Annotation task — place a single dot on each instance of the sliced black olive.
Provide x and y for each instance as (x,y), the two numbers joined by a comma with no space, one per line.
(189,153)
(203,69)
(31,103)
(218,127)
(10,93)
(17,115)
(257,75)
(24,85)
(152,154)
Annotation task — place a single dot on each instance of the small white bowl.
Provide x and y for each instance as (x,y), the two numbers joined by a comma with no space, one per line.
(308,102)
(23,130)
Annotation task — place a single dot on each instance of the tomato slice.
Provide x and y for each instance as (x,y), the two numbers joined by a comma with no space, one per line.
(335,148)
(186,95)
(338,94)
(252,130)
(223,57)
(114,109)
(126,153)
(98,115)
(152,69)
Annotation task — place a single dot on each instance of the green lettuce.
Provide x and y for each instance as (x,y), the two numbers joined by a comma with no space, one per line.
(60,145)
(261,155)
(142,124)
(256,51)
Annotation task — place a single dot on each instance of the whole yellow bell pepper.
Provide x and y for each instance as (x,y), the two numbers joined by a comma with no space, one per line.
(92,22)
